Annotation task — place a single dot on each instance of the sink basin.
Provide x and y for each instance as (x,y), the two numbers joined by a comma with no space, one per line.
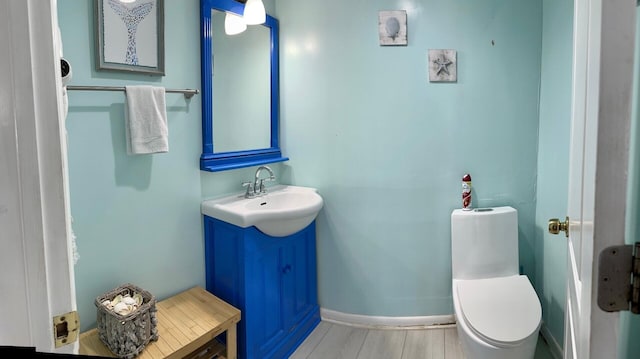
(284,210)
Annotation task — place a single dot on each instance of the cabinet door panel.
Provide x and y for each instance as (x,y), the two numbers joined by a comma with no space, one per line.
(301,281)
(300,284)
(224,272)
(265,295)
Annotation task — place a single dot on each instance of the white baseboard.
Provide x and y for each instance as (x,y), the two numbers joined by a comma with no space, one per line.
(556,349)
(379,322)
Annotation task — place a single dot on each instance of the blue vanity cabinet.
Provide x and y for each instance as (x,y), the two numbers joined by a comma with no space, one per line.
(271,280)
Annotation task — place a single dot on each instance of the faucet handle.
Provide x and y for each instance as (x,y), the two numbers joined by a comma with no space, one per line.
(250,191)
(262,188)
(262,181)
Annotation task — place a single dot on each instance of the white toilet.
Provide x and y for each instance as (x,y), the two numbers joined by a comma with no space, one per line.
(497,310)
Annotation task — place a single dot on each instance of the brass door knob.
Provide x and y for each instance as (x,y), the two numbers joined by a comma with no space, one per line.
(555,226)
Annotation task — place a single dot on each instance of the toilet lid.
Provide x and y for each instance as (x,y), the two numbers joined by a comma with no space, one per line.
(503,310)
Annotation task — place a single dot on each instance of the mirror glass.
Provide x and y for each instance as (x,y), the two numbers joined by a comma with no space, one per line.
(241,87)
(240,90)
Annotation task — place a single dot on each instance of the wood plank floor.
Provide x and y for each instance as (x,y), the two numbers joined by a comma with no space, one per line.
(334,341)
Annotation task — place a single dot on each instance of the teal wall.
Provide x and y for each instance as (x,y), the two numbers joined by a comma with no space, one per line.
(387,149)
(553,156)
(361,122)
(137,218)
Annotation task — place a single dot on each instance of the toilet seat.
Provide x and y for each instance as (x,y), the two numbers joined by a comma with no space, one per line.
(503,311)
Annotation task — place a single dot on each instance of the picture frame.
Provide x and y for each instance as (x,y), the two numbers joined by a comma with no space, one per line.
(130,36)
(392,28)
(443,65)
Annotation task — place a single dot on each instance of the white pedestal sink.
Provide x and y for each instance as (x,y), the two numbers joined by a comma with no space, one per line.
(284,210)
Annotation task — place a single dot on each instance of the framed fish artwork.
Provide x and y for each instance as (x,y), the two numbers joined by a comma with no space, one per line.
(130,36)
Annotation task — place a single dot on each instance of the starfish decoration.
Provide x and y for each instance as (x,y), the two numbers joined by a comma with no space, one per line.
(442,65)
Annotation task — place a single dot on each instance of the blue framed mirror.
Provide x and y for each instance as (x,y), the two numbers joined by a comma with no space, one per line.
(240,90)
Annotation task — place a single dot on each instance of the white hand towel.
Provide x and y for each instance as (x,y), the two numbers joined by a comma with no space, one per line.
(146,120)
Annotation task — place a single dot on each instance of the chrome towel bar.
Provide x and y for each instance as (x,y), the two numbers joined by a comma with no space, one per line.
(188,93)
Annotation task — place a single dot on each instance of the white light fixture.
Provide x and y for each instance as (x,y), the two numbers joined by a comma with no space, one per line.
(234,24)
(127,1)
(254,13)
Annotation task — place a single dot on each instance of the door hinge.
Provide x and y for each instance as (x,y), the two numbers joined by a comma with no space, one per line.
(619,278)
(66,328)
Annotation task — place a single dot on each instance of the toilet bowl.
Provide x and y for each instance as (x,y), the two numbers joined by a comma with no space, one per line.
(497,311)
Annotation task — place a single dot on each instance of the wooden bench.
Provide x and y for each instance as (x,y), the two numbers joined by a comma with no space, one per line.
(187,326)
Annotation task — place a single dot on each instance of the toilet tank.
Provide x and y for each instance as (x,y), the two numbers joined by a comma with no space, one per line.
(484,243)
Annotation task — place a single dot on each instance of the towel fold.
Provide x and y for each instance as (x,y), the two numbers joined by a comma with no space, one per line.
(146,120)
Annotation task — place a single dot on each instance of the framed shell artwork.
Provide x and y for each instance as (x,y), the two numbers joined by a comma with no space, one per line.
(392,28)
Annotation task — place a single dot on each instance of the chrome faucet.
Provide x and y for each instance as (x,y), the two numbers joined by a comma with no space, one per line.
(257,187)
(271,177)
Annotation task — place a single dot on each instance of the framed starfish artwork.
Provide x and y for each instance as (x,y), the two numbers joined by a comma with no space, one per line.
(130,35)
(443,66)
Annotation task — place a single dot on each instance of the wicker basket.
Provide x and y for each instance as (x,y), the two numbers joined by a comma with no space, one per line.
(127,335)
